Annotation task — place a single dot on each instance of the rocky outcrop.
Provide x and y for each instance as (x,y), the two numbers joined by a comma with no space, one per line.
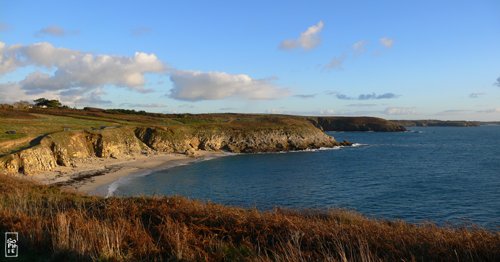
(63,148)
(339,123)
(234,140)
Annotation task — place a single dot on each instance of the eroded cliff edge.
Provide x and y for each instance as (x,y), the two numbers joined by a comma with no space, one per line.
(344,123)
(64,147)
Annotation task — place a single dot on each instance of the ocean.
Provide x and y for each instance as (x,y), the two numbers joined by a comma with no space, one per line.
(444,175)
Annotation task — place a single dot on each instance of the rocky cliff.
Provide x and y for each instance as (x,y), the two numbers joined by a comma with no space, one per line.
(454,123)
(63,148)
(339,123)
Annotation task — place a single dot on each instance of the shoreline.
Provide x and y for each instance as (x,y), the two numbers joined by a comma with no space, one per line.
(94,176)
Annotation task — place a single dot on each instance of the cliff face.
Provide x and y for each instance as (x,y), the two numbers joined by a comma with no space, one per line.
(454,123)
(356,124)
(63,148)
(234,140)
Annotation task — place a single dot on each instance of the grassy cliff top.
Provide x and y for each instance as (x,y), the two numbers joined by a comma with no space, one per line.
(35,123)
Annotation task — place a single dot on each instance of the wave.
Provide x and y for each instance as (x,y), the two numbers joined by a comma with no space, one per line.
(305,150)
(112,188)
(414,131)
(124,180)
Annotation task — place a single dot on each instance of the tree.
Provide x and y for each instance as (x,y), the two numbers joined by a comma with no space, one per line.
(22,105)
(48,103)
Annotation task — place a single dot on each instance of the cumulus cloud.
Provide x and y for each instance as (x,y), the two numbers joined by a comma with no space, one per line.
(196,86)
(78,69)
(308,39)
(372,96)
(54,30)
(79,77)
(75,73)
(387,42)
(304,96)
(497,83)
(93,98)
(8,60)
(336,63)
(11,92)
(400,111)
(359,47)
(475,95)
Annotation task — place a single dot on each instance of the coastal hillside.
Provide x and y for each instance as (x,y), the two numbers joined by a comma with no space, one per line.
(39,140)
(409,123)
(55,225)
(340,123)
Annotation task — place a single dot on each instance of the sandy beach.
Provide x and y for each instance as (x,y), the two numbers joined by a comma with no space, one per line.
(93,176)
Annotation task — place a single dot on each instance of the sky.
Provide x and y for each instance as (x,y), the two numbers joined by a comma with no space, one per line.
(392,59)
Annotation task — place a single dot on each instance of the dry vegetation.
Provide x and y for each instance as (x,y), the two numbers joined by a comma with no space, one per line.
(57,225)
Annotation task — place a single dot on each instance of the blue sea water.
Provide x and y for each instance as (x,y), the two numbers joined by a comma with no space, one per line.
(447,175)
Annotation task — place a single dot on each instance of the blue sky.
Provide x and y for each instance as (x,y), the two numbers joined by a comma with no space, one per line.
(392,59)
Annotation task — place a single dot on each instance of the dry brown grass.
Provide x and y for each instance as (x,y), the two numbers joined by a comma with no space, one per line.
(56,225)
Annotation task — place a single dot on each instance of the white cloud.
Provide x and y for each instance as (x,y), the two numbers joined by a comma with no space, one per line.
(8,61)
(76,73)
(387,42)
(93,98)
(308,39)
(359,47)
(196,86)
(400,111)
(77,77)
(12,92)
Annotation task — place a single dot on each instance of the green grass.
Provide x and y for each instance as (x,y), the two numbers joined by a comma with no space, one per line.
(36,122)
(44,124)
(4,136)
(40,125)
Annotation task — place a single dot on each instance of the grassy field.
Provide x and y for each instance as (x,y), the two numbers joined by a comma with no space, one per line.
(38,122)
(64,226)
(37,125)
